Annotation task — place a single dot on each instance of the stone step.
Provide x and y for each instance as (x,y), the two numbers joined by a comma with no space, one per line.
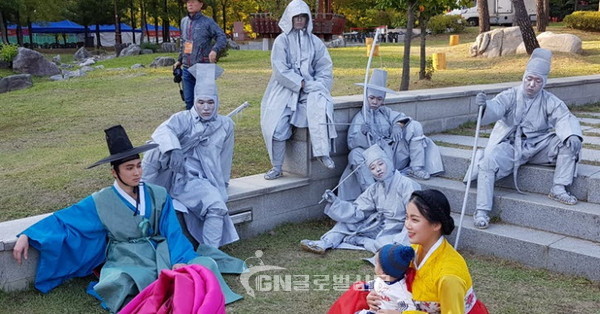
(555,252)
(588,155)
(531,178)
(528,210)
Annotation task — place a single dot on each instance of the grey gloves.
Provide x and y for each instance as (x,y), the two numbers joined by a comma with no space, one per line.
(176,160)
(329,196)
(481,99)
(365,128)
(573,142)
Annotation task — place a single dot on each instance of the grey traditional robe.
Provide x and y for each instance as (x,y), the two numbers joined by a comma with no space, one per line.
(411,149)
(545,123)
(299,55)
(375,218)
(208,150)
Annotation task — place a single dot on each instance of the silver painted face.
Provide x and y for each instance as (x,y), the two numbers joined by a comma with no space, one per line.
(300,21)
(532,84)
(205,107)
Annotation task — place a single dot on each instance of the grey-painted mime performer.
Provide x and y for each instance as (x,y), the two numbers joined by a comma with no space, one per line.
(533,126)
(376,217)
(193,161)
(298,93)
(400,137)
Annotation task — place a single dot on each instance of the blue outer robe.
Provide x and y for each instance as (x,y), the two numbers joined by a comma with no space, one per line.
(73,241)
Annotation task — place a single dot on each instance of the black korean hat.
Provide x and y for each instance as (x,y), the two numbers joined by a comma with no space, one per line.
(120,146)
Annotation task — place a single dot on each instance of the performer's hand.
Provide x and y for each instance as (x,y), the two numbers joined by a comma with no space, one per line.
(176,160)
(179,265)
(374,301)
(176,65)
(212,56)
(21,248)
(396,133)
(329,196)
(574,143)
(365,128)
(481,99)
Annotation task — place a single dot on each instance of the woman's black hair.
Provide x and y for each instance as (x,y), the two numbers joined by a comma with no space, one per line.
(434,206)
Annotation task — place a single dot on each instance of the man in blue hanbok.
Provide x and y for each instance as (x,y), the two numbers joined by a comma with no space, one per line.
(130,226)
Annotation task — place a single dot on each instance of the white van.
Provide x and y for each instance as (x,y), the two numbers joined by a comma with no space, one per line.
(502,12)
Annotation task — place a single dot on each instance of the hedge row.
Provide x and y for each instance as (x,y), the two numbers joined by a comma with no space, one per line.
(440,24)
(584,20)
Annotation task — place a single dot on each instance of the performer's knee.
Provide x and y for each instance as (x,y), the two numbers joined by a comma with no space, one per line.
(216,212)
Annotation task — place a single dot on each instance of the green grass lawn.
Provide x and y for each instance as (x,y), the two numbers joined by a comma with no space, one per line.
(505,287)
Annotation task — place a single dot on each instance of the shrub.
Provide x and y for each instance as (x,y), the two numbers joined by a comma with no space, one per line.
(8,52)
(584,20)
(440,24)
(152,46)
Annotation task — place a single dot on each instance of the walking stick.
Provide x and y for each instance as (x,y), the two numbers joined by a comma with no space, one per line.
(344,179)
(365,101)
(469,173)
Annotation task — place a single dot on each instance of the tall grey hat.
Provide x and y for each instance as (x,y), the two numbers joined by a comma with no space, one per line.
(373,153)
(378,81)
(205,74)
(120,146)
(539,62)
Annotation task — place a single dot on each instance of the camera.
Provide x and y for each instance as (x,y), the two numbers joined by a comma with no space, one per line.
(177,74)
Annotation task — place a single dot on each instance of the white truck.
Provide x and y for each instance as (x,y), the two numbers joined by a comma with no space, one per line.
(502,12)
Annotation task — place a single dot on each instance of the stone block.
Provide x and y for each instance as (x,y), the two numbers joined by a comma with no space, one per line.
(576,257)
(297,157)
(14,276)
(441,109)
(594,185)
(526,246)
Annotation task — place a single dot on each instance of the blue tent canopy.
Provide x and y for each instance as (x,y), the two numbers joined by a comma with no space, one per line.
(111,28)
(152,28)
(61,27)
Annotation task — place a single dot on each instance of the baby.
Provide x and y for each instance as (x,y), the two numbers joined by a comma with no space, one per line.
(391,263)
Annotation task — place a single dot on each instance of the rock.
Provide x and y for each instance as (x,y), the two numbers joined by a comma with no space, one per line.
(85,69)
(232,44)
(4,65)
(57,77)
(498,42)
(137,66)
(99,67)
(82,54)
(557,42)
(32,62)
(168,47)
(87,62)
(147,51)
(15,82)
(56,59)
(66,66)
(70,74)
(131,50)
(162,62)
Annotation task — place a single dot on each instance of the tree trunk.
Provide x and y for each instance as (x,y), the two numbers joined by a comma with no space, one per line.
(3,30)
(143,14)
(29,26)
(165,23)
(525,26)
(410,12)
(224,11)
(156,28)
(132,15)
(484,16)
(118,39)
(423,54)
(98,40)
(19,31)
(542,15)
